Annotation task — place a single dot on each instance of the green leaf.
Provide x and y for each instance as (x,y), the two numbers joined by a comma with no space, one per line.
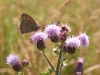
(49,72)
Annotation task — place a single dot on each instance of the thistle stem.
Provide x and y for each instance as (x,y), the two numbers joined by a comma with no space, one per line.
(48,60)
(61,65)
(16,73)
(59,60)
(22,72)
(60,68)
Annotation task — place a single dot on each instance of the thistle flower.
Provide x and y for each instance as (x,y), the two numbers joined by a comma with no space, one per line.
(78,70)
(84,39)
(53,31)
(72,44)
(25,63)
(65,27)
(39,38)
(63,35)
(13,60)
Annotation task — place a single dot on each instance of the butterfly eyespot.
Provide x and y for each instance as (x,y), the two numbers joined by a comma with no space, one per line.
(25,17)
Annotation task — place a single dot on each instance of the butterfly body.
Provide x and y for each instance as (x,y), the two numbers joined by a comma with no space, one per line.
(28,24)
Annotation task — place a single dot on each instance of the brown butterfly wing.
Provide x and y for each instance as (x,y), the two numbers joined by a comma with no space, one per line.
(28,24)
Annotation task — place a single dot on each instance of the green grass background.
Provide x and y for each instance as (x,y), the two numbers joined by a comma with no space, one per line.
(81,15)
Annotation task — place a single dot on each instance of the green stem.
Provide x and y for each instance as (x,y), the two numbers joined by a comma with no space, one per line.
(60,70)
(22,72)
(19,73)
(61,65)
(16,73)
(48,60)
(59,60)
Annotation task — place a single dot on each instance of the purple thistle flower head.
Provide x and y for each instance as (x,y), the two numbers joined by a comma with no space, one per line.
(25,63)
(17,67)
(52,32)
(84,39)
(37,36)
(80,60)
(66,27)
(72,44)
(78,70)
(12,59)
(62,36)
(41,45)
(64,32)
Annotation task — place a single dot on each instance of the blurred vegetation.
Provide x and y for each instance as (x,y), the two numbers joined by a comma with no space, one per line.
(81,15)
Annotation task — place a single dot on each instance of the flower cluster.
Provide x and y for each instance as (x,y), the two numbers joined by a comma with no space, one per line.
(13,60)
(57,33)
(60,35)
(66,44)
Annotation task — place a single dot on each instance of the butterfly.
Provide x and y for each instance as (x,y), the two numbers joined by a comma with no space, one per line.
(28,24)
